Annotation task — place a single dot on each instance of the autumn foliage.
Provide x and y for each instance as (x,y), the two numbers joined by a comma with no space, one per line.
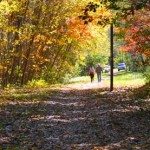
(37,40)
(77,30)
(43,39)
(137,35)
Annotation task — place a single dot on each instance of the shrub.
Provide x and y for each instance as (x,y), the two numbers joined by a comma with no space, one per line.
(37,83)
(147,74)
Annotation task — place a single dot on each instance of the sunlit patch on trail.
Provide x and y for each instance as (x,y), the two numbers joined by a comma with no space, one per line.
(56,118)
(85,86)
(63,104)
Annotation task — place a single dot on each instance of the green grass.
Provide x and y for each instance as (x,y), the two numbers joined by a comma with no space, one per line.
(121,79)
(25,94)
(129,79)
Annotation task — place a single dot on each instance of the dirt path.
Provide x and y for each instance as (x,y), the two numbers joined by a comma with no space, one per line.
(76,118)
(85,86)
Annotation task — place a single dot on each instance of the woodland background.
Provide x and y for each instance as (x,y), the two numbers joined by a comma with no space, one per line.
(53,40)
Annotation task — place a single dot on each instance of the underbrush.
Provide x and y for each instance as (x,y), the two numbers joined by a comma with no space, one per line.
(142,92)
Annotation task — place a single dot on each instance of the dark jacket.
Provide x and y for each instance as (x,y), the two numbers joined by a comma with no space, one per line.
(98,69)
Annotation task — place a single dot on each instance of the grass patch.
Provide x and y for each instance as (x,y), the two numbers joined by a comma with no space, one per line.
(121,79)
(125,79)
(129,79)
(26,94)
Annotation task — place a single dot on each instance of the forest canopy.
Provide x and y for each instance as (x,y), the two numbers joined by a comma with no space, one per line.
(46,39)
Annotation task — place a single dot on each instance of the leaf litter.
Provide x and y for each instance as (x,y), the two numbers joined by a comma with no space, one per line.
(76,119)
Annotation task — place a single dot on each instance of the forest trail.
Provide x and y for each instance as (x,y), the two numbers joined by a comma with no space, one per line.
(85,86)
(77,118)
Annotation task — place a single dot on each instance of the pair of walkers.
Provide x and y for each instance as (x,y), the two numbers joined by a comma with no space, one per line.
(98,71)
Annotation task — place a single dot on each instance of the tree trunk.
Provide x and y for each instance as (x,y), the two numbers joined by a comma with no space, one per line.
(26,60)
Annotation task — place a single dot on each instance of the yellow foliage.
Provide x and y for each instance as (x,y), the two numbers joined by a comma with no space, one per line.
(77,29)
(1,67)
(40,38)
(49,42)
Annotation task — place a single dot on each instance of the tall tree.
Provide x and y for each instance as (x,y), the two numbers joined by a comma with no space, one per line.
(32,44)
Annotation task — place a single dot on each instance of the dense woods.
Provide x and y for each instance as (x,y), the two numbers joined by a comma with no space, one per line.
(32,45)
(46,39)
(39,39)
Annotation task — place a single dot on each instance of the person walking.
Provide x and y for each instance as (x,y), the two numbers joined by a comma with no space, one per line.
(91,73)
(99,72)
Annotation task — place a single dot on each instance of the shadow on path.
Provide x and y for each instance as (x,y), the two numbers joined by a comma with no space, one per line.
(76,119)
